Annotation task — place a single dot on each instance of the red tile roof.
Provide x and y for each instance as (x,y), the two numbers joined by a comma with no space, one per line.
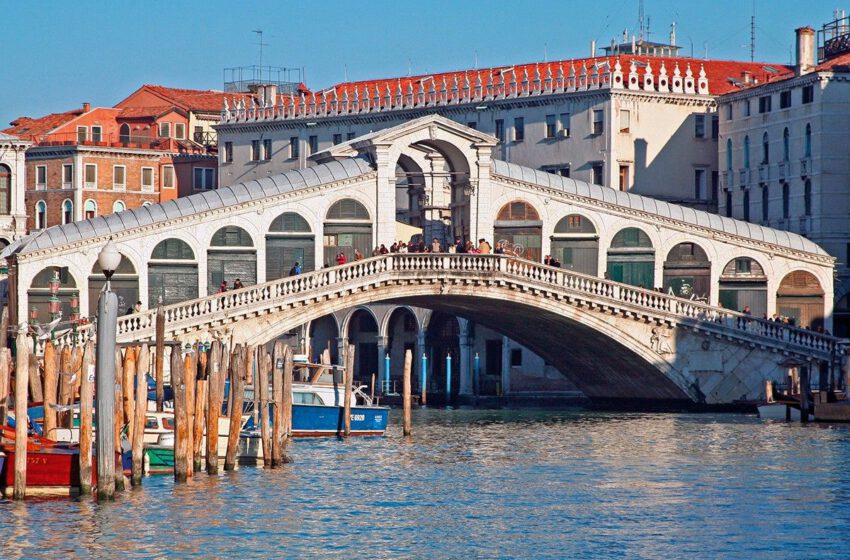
(203,101)
(146,112)
(28,127)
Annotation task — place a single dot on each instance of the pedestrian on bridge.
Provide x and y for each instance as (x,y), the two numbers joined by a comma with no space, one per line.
(222,287)
(296,269)
(484,247)
(341,259)
(435,246)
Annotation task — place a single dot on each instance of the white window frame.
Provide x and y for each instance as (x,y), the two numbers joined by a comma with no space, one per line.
(147,187)
(593,121)
(40,185)
(564,125)
(62,208)
(122,203)
(85,211)
(90,184)
(123,185)
(99,133)
(85,135)
(294,147)
(177,128)
(36,219)
(168,171)
(69,183)
(625,121)
(266,149)
(164,126)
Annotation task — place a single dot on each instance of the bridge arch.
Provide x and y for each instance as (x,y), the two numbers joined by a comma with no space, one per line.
(389,316)
(172,272)
(347,227)
(124,282)
(575,243)
(231,255)
(631,258)
(360,327)
(323,333)
(289,239)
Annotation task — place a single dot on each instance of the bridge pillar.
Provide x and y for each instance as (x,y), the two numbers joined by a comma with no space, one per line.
(420,349)
(506,365)
(480,214)
(465,362)
(384,197)
(383,374)
(341,348)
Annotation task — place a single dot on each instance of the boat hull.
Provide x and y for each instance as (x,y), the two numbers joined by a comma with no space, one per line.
(317,420)
(56,468)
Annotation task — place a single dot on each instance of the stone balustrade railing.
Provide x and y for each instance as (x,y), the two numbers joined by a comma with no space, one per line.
(472,87)
(209,312)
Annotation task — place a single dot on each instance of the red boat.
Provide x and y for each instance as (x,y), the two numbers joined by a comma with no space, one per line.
(52,467)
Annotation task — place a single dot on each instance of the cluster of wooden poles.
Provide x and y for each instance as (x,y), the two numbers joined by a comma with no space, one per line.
(66,375)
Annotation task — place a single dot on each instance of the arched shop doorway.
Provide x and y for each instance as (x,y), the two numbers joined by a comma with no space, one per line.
(576,245)
(519,225)
(231,255)
(631,258)
(743,283)
(800,297)
(687,272)
(172,273)
(288,241)
(347,227)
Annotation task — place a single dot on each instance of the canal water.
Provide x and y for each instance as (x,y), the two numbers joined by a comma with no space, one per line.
(487,484)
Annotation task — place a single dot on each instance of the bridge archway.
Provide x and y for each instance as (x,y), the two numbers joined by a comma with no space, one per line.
(801,297)
(743,283)
(361,329)
(443,339)
(231,255)
(172,273)
(39,293)
(518,223)
(687,272)
(324,334)
(402,329)
(409,191)
(348,226)
(289,240)
(125,283)
(575,244)
(631,258)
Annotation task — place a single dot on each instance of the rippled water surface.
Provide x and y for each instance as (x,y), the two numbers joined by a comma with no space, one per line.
(484,484)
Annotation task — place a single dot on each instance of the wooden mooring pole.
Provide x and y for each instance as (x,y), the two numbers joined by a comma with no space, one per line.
(190,378)
(201,388)
(22,369)
(129,380)
(160,357)
(86,404)
(349,377)
(406,400)
(237,393)
(215,397)
(51,367)
(119,420)
(277,395)
(263,365)
(288,368)
(4,385)
(181,420)
(142,369)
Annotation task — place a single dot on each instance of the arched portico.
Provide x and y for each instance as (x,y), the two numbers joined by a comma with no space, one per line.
(231,256)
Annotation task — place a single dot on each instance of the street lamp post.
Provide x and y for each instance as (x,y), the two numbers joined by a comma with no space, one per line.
(107,325)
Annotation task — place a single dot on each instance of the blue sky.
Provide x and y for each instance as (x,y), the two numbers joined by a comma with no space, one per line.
(56,55)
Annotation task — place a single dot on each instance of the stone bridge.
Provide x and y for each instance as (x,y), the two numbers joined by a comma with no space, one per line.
(592,319)
(614,341)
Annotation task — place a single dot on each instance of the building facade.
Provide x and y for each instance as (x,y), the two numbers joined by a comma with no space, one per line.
(783,156)
(637,123)
(13,213)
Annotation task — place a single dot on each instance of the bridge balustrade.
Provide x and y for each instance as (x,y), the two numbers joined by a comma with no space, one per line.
(214,310)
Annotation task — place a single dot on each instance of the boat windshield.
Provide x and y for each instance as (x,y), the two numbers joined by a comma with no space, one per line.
(306,398)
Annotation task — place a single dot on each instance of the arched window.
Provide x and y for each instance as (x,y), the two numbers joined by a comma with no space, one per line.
(230,257)
(729,155)
(807,146)
(746,152)
(124,134)
(575,244)
(807,197)
(90,209)
(631,258)
(786,145)
(5,190)
(67,212)
(347,209)
(519,229)
(786,201)
(765,199)
(118,206)
(175,277)
(40,214)
(347,228)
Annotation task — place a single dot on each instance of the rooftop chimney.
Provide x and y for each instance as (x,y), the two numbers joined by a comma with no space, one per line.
(593,48)
(805,50)
(747,76)
(86,107)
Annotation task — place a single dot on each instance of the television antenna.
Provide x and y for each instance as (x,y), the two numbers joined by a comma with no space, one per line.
(261,44)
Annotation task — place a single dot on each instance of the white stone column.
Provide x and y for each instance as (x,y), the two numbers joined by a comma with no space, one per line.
(481,215)
(417,359)
(18,202)
(506,365)
(341,348)
(465,364)
(384,197)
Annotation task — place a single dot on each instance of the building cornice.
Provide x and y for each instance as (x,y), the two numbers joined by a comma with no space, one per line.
(782,85)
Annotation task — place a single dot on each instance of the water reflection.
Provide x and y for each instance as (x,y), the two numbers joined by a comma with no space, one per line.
(514,484)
